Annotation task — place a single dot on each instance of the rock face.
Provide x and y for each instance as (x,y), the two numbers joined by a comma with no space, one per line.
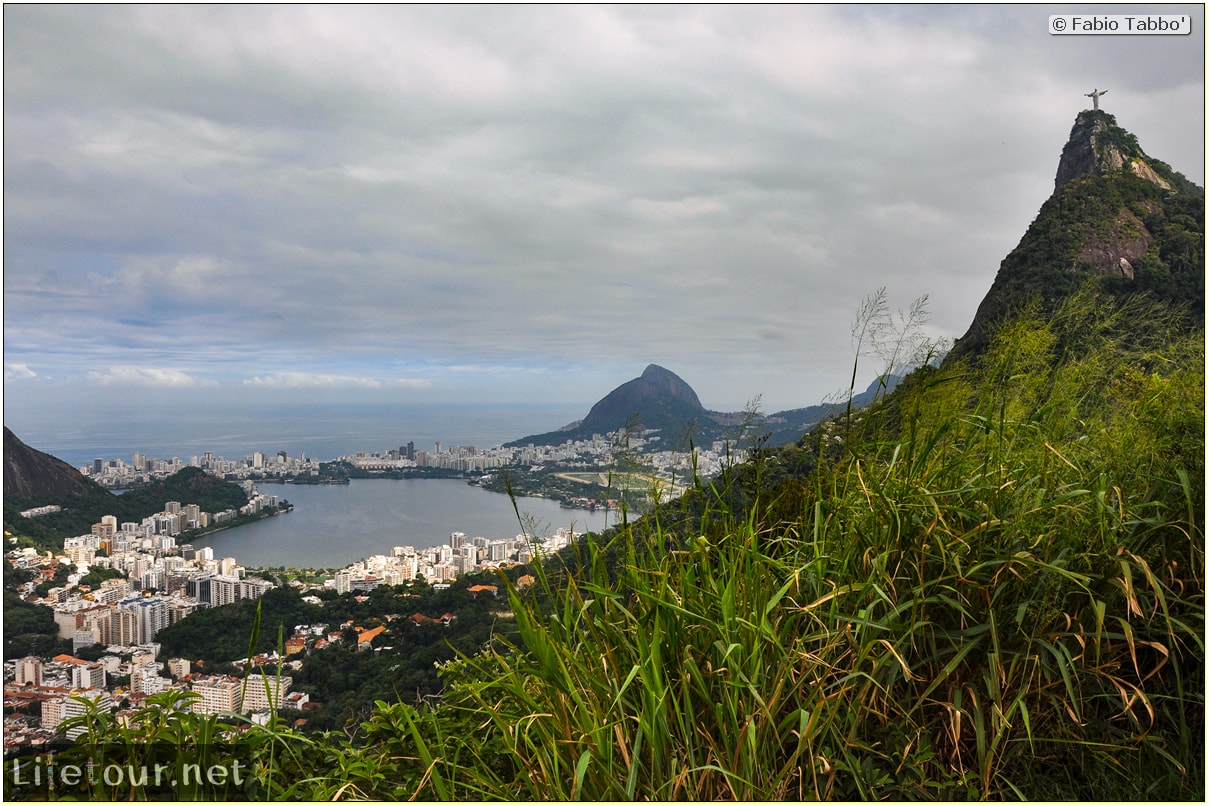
(1097,146)
(1110,252)
(30,474)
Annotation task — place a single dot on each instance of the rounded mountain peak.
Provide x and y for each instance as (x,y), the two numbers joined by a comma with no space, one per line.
(655,393)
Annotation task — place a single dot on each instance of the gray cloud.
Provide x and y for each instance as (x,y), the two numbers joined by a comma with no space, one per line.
(247,195)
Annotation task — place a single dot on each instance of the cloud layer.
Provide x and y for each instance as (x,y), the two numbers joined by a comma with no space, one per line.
(529,203)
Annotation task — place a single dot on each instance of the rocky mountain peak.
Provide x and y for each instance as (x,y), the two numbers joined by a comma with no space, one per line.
(1101,222)
(1097,145)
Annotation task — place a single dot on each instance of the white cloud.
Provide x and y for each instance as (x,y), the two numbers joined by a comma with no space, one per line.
(146,376)
(319,380)
(18,372)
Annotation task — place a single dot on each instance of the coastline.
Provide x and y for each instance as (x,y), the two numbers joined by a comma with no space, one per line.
(260,516)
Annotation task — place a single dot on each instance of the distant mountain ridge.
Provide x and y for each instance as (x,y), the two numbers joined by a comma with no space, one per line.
(661,401)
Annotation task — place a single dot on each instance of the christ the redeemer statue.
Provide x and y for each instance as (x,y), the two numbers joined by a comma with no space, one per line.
(1095,97)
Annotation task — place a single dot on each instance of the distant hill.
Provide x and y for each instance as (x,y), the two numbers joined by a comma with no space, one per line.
(1115,214)
(658,400)
(189,485)
(661,401)
(658,395)
(34,476)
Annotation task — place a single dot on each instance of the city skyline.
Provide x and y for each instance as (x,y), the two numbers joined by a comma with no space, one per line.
(213,205)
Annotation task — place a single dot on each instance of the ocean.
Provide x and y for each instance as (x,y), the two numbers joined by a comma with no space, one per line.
(322,431)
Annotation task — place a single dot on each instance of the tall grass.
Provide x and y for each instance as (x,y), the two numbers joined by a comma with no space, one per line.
(995,591)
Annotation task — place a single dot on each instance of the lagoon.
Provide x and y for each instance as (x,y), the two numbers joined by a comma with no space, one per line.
(334,525)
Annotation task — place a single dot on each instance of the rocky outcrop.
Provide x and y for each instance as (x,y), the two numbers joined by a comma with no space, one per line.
(658,399)
(1144,171)
(1097,146)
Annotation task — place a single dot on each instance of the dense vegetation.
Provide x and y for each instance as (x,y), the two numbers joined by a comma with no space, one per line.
(550,483)
(988,585)
(344,679)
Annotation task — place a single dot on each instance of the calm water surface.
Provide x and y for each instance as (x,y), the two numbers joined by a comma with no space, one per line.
(334,525)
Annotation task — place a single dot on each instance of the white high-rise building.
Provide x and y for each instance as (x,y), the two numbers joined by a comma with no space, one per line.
(71,707)
(259,695)
(223,590)
(138,620)
(29,670)
(409,567)
(343,582)
(147,681)
(88,675)
(220,694)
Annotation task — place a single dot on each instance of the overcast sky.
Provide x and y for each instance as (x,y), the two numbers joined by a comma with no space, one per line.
(527,203)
